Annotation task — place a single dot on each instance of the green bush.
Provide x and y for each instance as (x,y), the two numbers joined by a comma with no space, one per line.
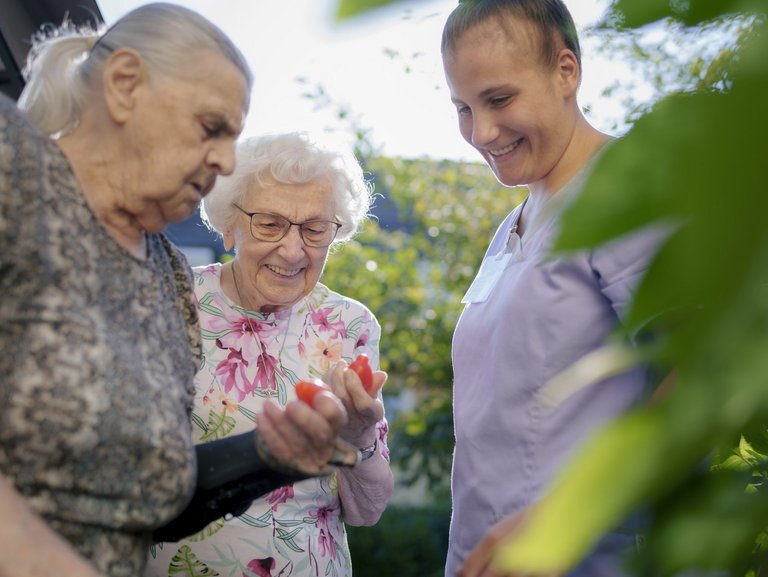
(407,541)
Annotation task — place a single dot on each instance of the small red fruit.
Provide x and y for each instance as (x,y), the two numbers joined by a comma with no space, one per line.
(307,390)
(363,369)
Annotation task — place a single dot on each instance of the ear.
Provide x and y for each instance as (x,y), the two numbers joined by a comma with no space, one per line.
(124,73)
(569,72)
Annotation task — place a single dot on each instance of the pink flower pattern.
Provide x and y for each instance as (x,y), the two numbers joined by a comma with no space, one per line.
(238,332)
(231,374)
(321,318)
(280,496)
(325,542)
(261,567)
(268,367)
(245,337)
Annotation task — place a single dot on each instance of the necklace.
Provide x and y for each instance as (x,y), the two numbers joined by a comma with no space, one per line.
(239,296)
(246,309)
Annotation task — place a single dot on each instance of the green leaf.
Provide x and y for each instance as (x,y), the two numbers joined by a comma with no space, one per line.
(349,8)
(713,524)
(186,564)
(219,425)
(247,413)
(211,529)
(264,521)
(637,14)
(585,481)
(288,538)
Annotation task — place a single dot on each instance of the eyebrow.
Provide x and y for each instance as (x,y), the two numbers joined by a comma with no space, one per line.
(223,123)
(492,89)
(231,128)
(487,92)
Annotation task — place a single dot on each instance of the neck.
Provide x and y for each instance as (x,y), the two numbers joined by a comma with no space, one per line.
(231,287)
(585,143)
(91,166)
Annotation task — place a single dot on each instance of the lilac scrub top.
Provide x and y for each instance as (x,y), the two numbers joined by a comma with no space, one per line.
(541,315)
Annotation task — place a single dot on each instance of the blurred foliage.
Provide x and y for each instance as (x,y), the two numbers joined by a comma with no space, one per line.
(664,58)
(696,460)
(407,542)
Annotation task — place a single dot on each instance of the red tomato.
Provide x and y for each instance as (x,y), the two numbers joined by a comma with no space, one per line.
(307,390)
(363,369)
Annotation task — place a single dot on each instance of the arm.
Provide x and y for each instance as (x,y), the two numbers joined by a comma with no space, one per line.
(29,546)
(288,445)
(478,563)
(365,489)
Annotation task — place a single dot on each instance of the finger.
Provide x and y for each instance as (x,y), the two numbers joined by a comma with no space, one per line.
(267,422)
(331,409)
(308,435)
(356,389)
(477,563)
(379,378)
(335,379)
(336,369)
(362,408)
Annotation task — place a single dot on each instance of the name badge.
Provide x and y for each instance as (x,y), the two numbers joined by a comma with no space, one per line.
(487,277)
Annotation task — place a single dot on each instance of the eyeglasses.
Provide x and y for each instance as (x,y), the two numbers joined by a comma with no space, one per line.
(273,228)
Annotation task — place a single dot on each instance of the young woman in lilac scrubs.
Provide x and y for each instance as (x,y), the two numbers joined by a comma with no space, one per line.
(513,69)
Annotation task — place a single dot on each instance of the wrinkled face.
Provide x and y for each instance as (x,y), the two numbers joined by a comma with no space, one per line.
(180,138)
(279,274)
(511,107)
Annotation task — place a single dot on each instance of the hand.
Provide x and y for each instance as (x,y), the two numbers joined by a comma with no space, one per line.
(364,408)
(301,436)
(478,563)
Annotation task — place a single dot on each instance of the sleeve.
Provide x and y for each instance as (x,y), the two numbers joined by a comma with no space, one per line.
(621,264)
(19,167)
(365,490)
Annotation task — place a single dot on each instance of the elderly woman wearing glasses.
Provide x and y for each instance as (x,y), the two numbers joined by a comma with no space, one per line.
(266,324)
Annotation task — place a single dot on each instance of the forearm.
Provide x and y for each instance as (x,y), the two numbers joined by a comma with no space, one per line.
(232,472)
(29,547)
(365,489)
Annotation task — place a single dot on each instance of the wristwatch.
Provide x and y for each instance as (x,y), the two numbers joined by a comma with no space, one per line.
(368,452)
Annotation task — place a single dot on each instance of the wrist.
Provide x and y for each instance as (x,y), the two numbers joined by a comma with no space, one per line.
(369,451)
(361,438)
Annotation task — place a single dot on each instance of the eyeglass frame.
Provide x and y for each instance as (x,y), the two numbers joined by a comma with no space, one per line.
(250,216)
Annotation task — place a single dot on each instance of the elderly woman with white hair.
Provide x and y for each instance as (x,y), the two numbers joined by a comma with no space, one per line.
(268,323)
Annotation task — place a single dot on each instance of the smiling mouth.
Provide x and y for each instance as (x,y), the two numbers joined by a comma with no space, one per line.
(283,271)
(506,149)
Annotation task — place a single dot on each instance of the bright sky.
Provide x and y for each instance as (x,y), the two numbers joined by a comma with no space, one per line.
(383,68)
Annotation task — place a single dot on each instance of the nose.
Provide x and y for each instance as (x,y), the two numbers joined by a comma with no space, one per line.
(221,156)
(484,129)
(292,245)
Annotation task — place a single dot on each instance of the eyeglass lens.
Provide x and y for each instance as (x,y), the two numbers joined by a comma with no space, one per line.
(273,227)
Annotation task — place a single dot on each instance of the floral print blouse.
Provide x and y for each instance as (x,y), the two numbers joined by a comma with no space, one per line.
(297,530)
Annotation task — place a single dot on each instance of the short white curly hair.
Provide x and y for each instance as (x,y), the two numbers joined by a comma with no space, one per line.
(290,158)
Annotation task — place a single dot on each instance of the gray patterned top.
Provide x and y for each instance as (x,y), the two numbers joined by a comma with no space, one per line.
(97,355)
